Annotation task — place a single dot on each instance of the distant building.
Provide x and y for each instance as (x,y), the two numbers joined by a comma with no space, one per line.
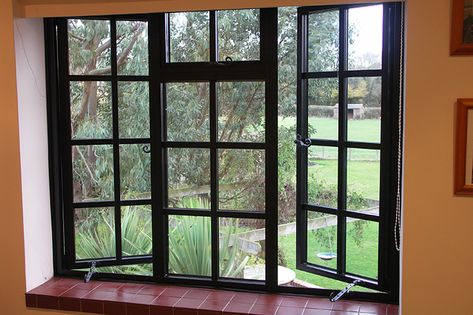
(355,111)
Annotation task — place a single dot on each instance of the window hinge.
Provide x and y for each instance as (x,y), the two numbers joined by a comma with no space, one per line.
(344,291)
(91,272)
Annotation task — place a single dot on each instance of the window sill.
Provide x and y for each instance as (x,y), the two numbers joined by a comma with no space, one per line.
(119,298)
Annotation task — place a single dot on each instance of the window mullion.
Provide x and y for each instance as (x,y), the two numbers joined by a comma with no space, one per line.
(214,176)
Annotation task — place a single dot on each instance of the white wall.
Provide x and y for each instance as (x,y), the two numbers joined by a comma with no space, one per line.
(31,89)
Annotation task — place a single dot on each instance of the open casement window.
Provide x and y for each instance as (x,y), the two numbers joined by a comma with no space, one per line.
(347,146)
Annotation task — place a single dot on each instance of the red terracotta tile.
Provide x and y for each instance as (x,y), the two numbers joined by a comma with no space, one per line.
(248,298)
(168,301)
(318,303)
(213,305)
(114,308)
(75,293)
(181,311)
(188,303)
(314,311)
(155,290)
(175,291)
(392,310)
(100,296)
(122,297)
(137,309)
(263,309)
(91,306)
(374,308)
(209,312)
(87,286)
(131,288)
(160,310)
(109,286)
(69,304)
(142,299)
(290,310)
(343,313)
(221,296)
(269,299)
(49,290)
(237,308)
(294,301)
(30,300)
(346,306)
(45,301)
(198,294)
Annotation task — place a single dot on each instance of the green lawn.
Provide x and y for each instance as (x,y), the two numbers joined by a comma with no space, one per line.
(360,259)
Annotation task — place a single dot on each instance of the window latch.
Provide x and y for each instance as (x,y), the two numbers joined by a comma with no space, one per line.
(228,62)
(344,291)
(91,272)
(302,142)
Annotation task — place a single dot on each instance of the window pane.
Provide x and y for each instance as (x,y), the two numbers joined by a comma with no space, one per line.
(89,46)
(239,34)
(365,37)
(323,41)
(91,110)
(133,109)
(94,233)
(241,184)
(190,245)
(187,110)
(323,108)
(322,239)
(364,109)
(135,171)
(241,248)
(241,110)
(92,172)
(363,167)
(322,173)
(137,238)
(132,47)
(362,248)
(189,36)
(189,178)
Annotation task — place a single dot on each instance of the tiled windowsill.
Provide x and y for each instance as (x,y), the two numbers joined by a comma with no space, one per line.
(144,299)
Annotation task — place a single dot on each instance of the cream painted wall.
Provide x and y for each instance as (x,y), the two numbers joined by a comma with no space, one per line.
(438,253)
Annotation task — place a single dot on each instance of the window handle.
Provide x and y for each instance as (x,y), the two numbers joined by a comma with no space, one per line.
(305,143)
(228,62)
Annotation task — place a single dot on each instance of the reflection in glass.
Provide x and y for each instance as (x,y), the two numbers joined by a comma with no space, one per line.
(323,108)
(363,171)
(189,178)
(189,36)
(92,173)
(91,110)
(89,46)
(132,47)
(94,233)
(239,34)
(190,245)
(362,248)
(323,41)
(241,245)
(241,184)
(322,173)
(187,110)
(135,172)
(136,230)
(241,111)
(133,109)
(322,239)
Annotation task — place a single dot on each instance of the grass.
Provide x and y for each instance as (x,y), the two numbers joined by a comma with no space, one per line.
(360,259)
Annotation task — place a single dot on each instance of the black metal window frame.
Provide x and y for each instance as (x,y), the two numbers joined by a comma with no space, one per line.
(388,257)
(161,71)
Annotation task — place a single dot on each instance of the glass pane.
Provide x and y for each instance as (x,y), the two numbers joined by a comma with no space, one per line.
(190,245)
(241,109)
(323,108)
(133,109)
(135,171)
(322,239)
(322,185)
(363,170)
(365,37)
(189,36)
(241,248)
(139,269)
(189,178)
(239,34)
(132,47)
(238,189)
(362,247)
(323,41)
(89,46)
(91,110)
(187,110)
(92,173)
(94,233)
(137,238)
(364,109)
